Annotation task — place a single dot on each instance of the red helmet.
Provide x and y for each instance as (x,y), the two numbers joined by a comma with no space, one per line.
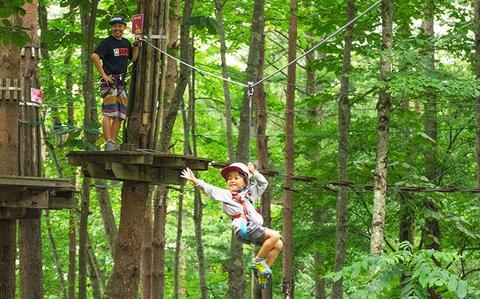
(240,167)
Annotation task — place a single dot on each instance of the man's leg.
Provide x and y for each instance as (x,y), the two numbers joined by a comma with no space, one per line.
(116,123)
(107,127)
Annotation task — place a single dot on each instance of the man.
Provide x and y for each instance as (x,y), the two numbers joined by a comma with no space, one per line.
(111,60)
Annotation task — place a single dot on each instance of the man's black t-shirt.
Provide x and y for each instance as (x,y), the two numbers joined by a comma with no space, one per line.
(114,54)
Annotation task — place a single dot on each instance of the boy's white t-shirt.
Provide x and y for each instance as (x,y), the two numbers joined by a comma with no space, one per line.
(231,206)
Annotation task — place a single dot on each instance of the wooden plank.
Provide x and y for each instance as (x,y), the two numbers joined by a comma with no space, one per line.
(180,162)
(78,158)
(24,199)
(35,182)
(8,91)
(2,89)
(57,203)
(19,213)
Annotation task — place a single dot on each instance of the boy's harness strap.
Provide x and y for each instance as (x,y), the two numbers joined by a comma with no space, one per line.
(245,211)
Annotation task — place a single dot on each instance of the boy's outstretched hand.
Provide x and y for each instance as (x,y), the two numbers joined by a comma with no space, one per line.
(187,173)
(251,168)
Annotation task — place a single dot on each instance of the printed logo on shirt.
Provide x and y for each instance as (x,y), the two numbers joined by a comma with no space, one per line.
(120,51)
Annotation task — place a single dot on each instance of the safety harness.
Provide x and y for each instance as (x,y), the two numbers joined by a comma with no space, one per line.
(245,213)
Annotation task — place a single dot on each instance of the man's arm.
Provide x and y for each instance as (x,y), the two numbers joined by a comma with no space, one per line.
(98,65)
(135,51)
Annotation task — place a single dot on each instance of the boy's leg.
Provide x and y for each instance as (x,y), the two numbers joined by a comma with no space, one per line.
(272,256)
(271,238)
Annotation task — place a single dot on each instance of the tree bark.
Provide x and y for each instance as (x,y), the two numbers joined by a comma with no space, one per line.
(107,213)
(123,282)
(83,234)
(288,277)
(236,269)
(383,125)
(146,261)
(158,244)
(58,262)
(226,91)
(341,233)
(197,204)
(179,289)
(182,81)
(477,76)
(72,240)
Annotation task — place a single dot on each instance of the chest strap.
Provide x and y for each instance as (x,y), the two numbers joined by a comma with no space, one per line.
(245,213)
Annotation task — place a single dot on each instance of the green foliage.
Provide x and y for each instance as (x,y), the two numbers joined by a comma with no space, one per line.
(406,273)
(12,33)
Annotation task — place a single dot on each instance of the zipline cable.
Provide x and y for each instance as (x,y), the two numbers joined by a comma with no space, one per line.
(193,67)
(320,43)
(251,85)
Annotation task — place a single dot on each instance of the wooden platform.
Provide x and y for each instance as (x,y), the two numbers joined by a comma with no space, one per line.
(138,165)
(24,197)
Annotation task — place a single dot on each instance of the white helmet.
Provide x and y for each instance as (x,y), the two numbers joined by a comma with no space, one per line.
(240,167)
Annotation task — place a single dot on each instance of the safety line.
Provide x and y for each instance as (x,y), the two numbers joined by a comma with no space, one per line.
(320,43)
(195,68)
(253,84)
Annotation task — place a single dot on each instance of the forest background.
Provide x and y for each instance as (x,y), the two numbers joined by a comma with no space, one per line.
(432,206)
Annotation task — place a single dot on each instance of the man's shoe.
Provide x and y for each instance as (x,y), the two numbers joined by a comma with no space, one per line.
(110,146)
(260,267)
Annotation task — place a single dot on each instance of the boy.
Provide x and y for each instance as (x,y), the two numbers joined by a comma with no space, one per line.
(114,53)
(237,202)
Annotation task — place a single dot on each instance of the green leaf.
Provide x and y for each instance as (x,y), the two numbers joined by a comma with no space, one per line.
(452,284)
(462,289)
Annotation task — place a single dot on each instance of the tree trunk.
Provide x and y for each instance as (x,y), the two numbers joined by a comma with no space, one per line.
(158,244)
(146,261)
(83,234)
(197,204)
(383,125)
(107,213)
(226,91)
(288,277)
(477,76)
(72,254)
(171,72)
(343,129)
(123,282)
(179,288)
(174,105)
(236,269)
(58,262)
(9,164)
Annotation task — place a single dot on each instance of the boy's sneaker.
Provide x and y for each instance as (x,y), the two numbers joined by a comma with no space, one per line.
(262,281)
(110,146)
(260,267)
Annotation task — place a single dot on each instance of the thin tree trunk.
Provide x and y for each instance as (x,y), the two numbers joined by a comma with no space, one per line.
(236,269)
(226,91)
(72,254)
(58,263)
(343,129)
(171,72)
(477,76)
(383,125)
(107,213)
(158,244)
(179,291)
(263,154)
(182,81)
(197,204)
(288,276)
(83,234)
(94,281)
(146,262)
